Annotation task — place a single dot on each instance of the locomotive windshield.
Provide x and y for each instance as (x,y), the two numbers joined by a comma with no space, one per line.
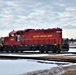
(12,35)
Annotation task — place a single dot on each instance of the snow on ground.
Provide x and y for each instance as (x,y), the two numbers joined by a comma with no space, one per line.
(72,50)
(17,67)
(21,66)
(52,71)
(32,55)
(59,70)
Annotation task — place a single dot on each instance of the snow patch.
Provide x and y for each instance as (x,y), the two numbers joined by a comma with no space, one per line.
(32,55)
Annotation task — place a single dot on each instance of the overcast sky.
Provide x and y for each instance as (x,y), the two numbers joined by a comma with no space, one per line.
(23,14)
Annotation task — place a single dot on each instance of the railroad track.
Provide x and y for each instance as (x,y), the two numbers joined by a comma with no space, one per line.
(51,57)
(34,52)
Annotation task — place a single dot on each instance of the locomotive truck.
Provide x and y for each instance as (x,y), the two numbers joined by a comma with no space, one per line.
(44,40)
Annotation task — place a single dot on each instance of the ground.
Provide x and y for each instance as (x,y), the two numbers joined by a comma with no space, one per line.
(60,70)
(69,70)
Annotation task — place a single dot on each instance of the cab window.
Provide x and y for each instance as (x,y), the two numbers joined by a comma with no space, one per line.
(18,37)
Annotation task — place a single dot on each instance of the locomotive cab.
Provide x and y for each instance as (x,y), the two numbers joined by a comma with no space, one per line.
(11,42)
(15,36)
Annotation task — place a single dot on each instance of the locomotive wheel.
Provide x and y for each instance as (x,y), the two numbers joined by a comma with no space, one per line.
(58,51)
(47,51)
(21,51)
(41,51)
(11,51)
(7,51)
(54,51)
(16,51)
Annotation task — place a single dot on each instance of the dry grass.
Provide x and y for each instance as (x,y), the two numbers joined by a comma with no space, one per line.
(70,70)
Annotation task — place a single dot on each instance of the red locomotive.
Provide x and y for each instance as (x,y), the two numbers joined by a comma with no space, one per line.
(43,40)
